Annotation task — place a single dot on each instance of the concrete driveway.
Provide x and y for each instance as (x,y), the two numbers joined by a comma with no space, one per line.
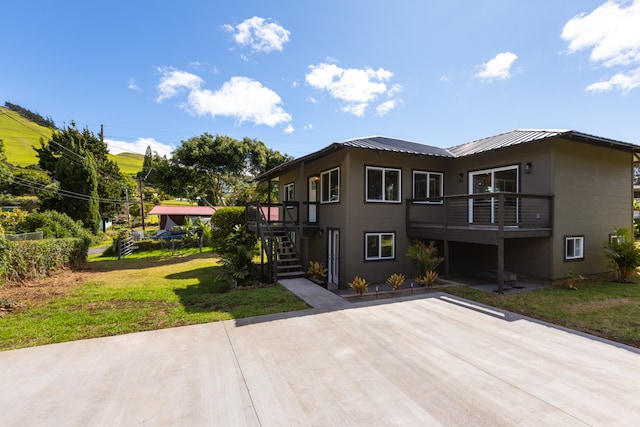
(427,360)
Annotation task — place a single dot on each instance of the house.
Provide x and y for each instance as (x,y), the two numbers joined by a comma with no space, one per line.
(535,204)
(171,216)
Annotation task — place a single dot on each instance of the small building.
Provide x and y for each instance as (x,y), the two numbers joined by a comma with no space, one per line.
(171,216)
(537,203)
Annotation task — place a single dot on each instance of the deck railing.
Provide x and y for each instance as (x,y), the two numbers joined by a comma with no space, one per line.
(496,210)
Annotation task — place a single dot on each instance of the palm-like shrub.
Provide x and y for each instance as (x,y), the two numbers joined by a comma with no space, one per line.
(424,256)
(237,259)
(623,254)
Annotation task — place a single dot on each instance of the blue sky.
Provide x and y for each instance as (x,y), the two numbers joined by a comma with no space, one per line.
(299,75)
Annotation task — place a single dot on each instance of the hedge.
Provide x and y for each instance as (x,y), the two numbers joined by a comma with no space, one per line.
(34,259)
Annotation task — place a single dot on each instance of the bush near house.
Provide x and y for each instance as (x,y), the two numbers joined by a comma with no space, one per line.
(223,222)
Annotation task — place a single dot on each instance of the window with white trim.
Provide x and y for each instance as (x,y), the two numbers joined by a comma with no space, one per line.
(383,184)
(426,185)
(330,186)
(380,246)
(289,192)
(573,247)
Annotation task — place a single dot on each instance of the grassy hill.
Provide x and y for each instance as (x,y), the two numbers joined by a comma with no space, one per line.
(21,135)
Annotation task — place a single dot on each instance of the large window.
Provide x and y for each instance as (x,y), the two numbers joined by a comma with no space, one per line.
(380,246)
(426,185)
(289,192)
(383,184)
(573,247)
(330,186)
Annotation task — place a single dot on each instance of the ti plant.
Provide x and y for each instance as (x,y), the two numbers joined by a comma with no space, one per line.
(396,280)
(317,270)
(360,285)
(428,279)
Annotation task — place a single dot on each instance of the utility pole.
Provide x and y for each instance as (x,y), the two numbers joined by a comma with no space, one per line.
(126,206)
(141,204)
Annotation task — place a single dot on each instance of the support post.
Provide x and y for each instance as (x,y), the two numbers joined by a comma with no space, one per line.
(501,265)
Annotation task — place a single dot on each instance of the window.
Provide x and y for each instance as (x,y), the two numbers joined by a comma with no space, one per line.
(289,193)
(330,186)
(383,184)
(380,246)
(574,247)
(426,185)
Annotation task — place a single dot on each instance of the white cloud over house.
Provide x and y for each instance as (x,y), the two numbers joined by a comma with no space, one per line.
(241,98)
(357,88)
(498,68)
(259,34)
(611,33)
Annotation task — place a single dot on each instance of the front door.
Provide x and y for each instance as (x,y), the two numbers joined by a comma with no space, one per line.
(333,257)
(312,216)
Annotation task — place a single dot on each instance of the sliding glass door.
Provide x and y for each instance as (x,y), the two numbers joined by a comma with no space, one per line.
(484,210)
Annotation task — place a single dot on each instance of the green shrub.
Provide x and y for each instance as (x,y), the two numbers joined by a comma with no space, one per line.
(55,225)
(425,257)
(34,259)
(623,254)
(223,222)
(237,259)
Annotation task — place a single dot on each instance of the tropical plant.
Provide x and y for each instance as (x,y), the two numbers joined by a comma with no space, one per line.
(360,285)
(317,270)
(396,280)
(428,279)
(237,260)
(623,254)
(425,257)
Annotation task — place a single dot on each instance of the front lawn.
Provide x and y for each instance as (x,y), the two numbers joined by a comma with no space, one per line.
(140,293)
(599,307)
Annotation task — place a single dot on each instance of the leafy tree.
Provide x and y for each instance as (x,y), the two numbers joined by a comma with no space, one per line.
(78,148)
(215,169)
(77,194)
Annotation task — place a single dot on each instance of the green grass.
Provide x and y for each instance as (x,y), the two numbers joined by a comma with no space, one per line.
(599,307)
(20,136)
(141,293)
(129,163)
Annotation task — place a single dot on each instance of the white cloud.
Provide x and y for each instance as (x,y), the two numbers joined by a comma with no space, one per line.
(308,127)
(357,110)
(139,146)
(289,129)
(498,68)
(612,34)
(621,81)
(385,107)
(611,31)
(132,84)
(172,81)
(356,87)
(259,34)
(241,98)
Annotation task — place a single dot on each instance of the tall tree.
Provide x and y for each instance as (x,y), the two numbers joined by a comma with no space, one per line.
(215,169)
(77,196)
(78,145)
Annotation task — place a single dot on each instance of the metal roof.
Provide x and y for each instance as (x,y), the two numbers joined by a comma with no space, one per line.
(523,136)
(503,140)
(383,143)
(182,210)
